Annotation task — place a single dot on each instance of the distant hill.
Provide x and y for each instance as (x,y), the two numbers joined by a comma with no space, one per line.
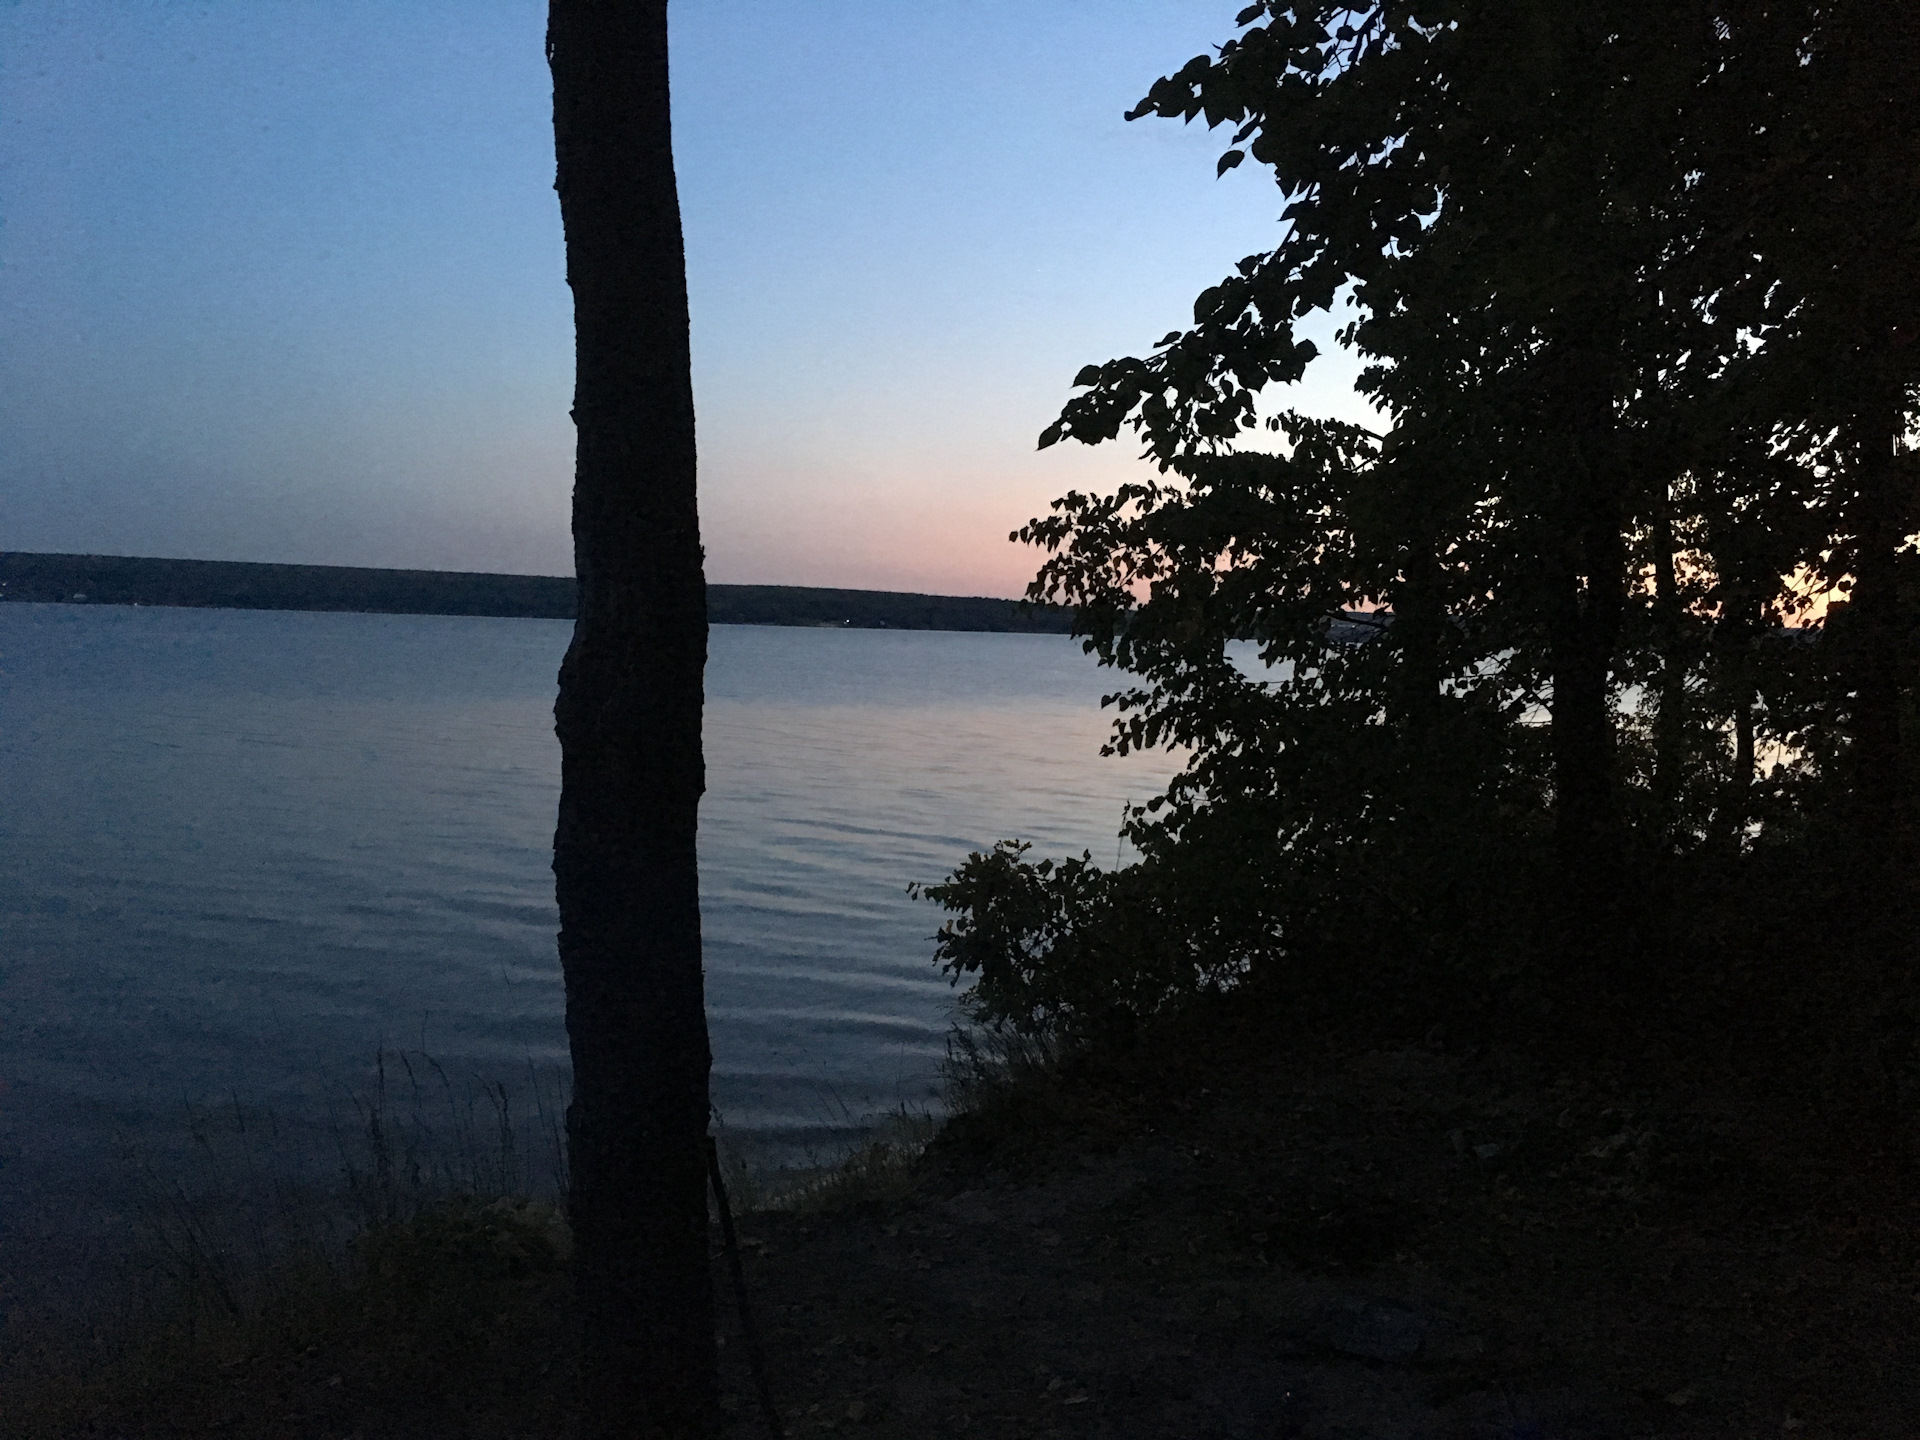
(238,585)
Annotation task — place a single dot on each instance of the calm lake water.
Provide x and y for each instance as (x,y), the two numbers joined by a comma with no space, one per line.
(241,852)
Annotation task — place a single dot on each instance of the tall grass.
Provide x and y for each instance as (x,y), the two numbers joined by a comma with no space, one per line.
(405,1253)
(988,1067)
(259,1190)
(988,1061)
(271,1239)
(423,1138)
(879,1167)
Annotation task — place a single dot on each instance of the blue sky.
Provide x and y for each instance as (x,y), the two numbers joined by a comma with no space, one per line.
(282,279)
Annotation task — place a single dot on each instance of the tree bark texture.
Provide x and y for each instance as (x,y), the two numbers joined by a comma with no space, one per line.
(628,718)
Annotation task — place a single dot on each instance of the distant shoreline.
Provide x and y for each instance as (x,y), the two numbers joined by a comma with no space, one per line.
(246,585)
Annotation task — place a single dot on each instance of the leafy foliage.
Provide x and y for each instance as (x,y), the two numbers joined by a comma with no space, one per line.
(1063,946)
(1485,697)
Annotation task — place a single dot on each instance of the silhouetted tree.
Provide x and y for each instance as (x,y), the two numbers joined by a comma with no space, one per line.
(1632,383)
(628,718)
(1828,209)
(1496,185)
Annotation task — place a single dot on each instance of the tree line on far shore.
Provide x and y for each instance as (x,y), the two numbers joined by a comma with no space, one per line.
(249,585)
(1628,739)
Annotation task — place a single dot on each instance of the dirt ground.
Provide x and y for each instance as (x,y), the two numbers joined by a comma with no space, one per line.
(1234,1237)
(1393,1244)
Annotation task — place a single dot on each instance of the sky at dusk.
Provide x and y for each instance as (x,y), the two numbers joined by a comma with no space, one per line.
(283,279)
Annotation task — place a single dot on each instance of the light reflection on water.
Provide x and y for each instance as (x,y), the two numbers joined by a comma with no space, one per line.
(242,850)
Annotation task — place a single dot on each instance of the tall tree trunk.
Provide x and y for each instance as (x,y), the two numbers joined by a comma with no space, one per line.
(628,718)
(1740,780)
(1738,633)
(1881,519)
(1583,633)
(1669,723)
(1879,673)
(1584,618)
(1419,616)
(1428,777)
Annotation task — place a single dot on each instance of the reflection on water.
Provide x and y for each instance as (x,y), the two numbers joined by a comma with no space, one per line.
(242,850)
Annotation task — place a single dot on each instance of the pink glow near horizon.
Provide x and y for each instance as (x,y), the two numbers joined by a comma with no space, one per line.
(285,283)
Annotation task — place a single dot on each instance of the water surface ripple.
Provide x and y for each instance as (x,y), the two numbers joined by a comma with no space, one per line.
(245,849)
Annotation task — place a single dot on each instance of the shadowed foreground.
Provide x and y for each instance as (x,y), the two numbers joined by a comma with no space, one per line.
(1241,1232)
